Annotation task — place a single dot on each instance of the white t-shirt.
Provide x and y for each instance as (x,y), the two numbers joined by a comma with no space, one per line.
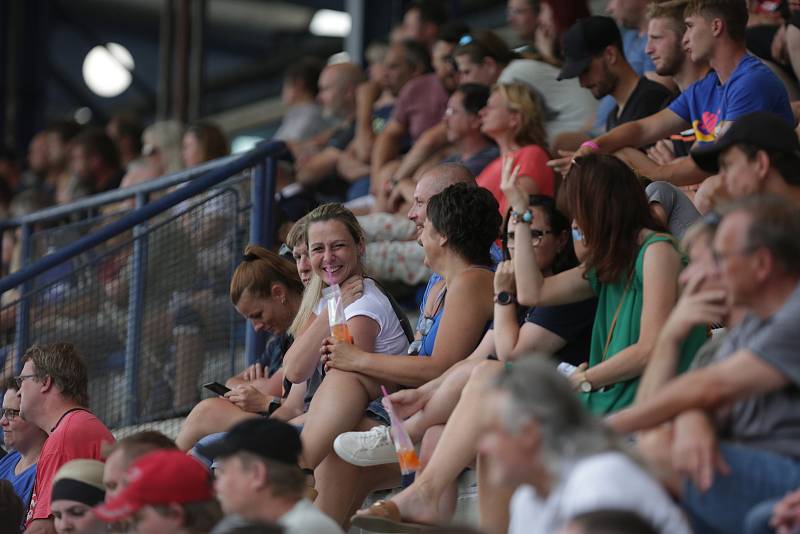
(305,518)
(604,481)
(373,304)
(570,103)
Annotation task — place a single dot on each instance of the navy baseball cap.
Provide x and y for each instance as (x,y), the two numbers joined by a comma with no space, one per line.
(269,438)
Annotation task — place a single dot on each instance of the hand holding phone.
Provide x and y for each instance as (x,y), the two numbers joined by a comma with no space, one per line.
(216,387)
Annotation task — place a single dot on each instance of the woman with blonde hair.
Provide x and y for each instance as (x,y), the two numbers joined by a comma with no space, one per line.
(461,226)
(513,119)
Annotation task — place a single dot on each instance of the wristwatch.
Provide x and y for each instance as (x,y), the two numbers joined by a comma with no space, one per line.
(585,386)
(504,298)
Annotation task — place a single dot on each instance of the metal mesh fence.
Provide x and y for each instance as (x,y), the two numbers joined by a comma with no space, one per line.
(187,333)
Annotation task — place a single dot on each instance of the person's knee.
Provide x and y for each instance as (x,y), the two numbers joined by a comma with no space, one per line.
(483,374)
(208,408)
(367,384)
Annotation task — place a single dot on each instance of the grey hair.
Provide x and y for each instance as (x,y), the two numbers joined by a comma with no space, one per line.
(538,393)
(774,225)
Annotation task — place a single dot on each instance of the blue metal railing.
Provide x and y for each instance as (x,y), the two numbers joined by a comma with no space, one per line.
(262,158)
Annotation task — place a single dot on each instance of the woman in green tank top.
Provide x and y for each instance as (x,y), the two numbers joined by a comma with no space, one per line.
(629,262)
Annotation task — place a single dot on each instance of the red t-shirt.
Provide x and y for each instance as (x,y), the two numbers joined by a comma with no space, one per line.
(420,105)
(79,434)
(532,160)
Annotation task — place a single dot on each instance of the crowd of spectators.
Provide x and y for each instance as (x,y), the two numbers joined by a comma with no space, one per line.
(606,315)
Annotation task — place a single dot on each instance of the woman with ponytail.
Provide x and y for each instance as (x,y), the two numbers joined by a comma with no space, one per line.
(267,291)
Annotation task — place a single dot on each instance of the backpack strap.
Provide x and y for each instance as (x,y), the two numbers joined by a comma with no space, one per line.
(401,316)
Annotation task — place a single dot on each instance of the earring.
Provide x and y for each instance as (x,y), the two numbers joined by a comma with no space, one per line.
(283,301)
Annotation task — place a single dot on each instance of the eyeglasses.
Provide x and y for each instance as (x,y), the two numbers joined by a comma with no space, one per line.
(21,378)
(9,413)
(577,235)
(536,237)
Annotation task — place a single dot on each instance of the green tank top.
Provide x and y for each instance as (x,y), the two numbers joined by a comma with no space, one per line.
(617,396)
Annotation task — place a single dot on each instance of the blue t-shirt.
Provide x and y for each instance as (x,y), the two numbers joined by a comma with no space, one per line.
(752,87)
(23,483)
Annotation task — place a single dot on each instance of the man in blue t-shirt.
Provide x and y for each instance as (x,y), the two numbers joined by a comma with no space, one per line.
(26,440)
(738,84)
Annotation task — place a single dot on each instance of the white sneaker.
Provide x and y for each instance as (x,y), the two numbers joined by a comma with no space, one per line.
(364,449)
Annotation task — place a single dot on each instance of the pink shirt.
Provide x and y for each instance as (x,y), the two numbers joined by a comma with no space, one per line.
(536,175)
(420,104)
(79,434)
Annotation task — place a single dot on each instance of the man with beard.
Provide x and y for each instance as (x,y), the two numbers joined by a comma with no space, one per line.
(738,84)
(593,51)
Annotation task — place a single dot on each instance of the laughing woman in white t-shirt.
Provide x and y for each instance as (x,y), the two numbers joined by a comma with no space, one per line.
(461,225)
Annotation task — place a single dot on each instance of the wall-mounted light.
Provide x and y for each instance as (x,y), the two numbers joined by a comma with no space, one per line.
(330,23)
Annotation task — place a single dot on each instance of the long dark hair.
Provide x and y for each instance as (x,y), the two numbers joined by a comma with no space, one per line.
(608,203)
(559,223)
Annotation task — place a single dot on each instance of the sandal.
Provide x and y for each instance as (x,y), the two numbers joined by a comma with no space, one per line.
(384,516)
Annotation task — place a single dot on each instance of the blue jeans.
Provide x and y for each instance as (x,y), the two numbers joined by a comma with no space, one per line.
(359,188)
(756,476)
(757,521)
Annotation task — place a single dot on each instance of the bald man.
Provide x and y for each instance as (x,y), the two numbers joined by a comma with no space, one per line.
(337,96)
(392,249)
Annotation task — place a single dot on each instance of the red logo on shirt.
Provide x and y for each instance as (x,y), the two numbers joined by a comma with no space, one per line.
(706,128)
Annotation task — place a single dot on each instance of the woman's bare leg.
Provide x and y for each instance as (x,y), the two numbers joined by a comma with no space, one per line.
(493,502)
(343,487)
(443,401)
(447,502)
(455,451)
(338,406)
(445,398)
(208,417)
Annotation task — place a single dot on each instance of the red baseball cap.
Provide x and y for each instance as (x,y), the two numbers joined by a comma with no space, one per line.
(159,478)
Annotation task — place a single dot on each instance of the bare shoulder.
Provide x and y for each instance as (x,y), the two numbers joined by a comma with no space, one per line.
(471,281)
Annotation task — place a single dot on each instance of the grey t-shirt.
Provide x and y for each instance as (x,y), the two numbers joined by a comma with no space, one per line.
(305,518)
(301,122)
(302,518)
(770,421)
(681,213)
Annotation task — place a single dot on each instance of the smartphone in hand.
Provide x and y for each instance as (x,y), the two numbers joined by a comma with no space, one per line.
(217,388)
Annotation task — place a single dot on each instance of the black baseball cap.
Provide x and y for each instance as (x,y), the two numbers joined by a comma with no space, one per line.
(587,38)
(268,438)
(763,129)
